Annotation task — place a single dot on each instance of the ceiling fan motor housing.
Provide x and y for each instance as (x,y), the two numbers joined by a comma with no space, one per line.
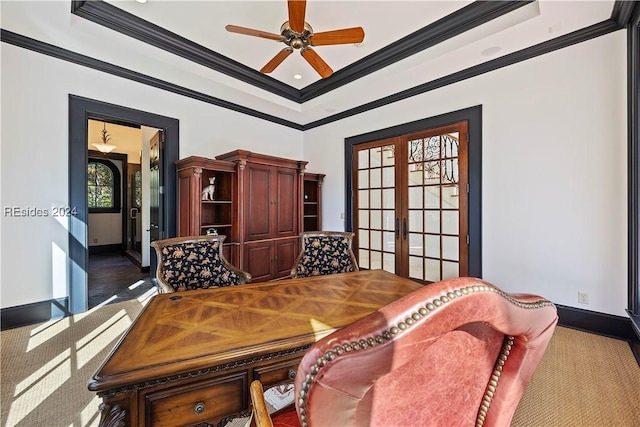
(294,39)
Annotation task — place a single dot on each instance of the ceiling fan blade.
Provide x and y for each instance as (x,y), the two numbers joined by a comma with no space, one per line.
(316,62)
(276,60)
(252,32)
(347,35)
(296,14)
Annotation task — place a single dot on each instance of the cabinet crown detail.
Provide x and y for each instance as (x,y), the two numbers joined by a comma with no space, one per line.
(265,159)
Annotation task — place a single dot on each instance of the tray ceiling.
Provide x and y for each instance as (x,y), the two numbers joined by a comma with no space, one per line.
(407,44)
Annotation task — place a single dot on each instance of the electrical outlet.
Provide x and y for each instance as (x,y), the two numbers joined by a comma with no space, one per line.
(95,240)
(583,297)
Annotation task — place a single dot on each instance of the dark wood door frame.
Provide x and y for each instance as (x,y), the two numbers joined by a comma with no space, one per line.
(80,110)
(473,115)
(633,132)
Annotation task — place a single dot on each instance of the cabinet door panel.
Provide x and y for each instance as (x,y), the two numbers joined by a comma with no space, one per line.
(187,217)
(258,202)
(258,260)
(286,203)
(286,251)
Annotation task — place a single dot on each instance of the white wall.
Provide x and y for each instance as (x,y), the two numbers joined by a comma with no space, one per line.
(554,165)
(105,229)
(34,168)
(553,169)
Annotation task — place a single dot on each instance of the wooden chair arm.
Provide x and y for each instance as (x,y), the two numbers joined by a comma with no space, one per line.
(163,288)
(261,416)
(244,275)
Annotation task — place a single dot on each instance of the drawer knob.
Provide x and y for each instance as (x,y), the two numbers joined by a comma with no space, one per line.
(199,408)
(291,374)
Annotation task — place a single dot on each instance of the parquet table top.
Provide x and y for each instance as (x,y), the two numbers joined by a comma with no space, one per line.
(192,330)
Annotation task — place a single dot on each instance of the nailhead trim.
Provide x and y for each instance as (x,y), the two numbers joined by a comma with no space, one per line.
(413,319)
(495,377)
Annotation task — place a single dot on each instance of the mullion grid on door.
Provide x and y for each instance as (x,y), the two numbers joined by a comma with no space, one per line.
(433,167)
(376,192)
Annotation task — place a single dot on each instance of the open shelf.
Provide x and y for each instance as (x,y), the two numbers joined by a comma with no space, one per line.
(312,202)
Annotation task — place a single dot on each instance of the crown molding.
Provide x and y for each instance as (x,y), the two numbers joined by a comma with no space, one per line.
(107,15)
(626,12)
(465,19)
(66,55)
(575,37)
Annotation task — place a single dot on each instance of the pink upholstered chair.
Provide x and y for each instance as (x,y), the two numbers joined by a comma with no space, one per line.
(455,353)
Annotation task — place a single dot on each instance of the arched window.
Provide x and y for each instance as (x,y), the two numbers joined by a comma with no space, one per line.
(103,183)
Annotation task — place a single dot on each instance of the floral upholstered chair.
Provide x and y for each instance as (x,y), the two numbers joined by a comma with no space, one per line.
(325,252)
(194,262)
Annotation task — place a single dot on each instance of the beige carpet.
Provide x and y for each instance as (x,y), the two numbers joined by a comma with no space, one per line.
(584,380)
(45,368)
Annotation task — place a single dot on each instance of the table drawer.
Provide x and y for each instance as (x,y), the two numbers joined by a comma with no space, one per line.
(204,401)
(275,373)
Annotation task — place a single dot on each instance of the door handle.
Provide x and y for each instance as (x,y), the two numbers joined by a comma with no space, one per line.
(397,228)
(404,228)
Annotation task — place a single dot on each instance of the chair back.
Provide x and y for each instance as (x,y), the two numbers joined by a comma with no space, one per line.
(457,352)
(325,252)
(194,262)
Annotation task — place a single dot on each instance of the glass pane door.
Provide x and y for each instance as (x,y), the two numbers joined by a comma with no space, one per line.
(410,212)
(433,206)
(375,221)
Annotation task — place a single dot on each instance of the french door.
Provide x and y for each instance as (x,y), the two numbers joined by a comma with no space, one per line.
(411,204)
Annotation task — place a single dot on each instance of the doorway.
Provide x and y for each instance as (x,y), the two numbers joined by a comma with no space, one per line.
(413,197)
(118,264)
(80,110)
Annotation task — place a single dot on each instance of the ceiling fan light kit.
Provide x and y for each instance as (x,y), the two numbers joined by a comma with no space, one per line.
(296,33)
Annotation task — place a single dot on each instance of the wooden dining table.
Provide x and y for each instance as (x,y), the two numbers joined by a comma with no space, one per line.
(189,357)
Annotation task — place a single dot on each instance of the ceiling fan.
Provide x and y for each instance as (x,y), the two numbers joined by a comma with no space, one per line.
(296,33)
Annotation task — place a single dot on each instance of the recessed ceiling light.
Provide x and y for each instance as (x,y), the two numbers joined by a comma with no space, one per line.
(297,76)
(490,51)
(141,1)
(554,28)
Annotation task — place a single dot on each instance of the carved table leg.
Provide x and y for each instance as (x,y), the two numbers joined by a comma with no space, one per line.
(112,415)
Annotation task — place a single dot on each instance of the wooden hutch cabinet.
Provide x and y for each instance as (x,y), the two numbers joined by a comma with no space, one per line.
(260,206)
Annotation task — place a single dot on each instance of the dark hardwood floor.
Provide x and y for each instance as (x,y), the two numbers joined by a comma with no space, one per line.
(113,277)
